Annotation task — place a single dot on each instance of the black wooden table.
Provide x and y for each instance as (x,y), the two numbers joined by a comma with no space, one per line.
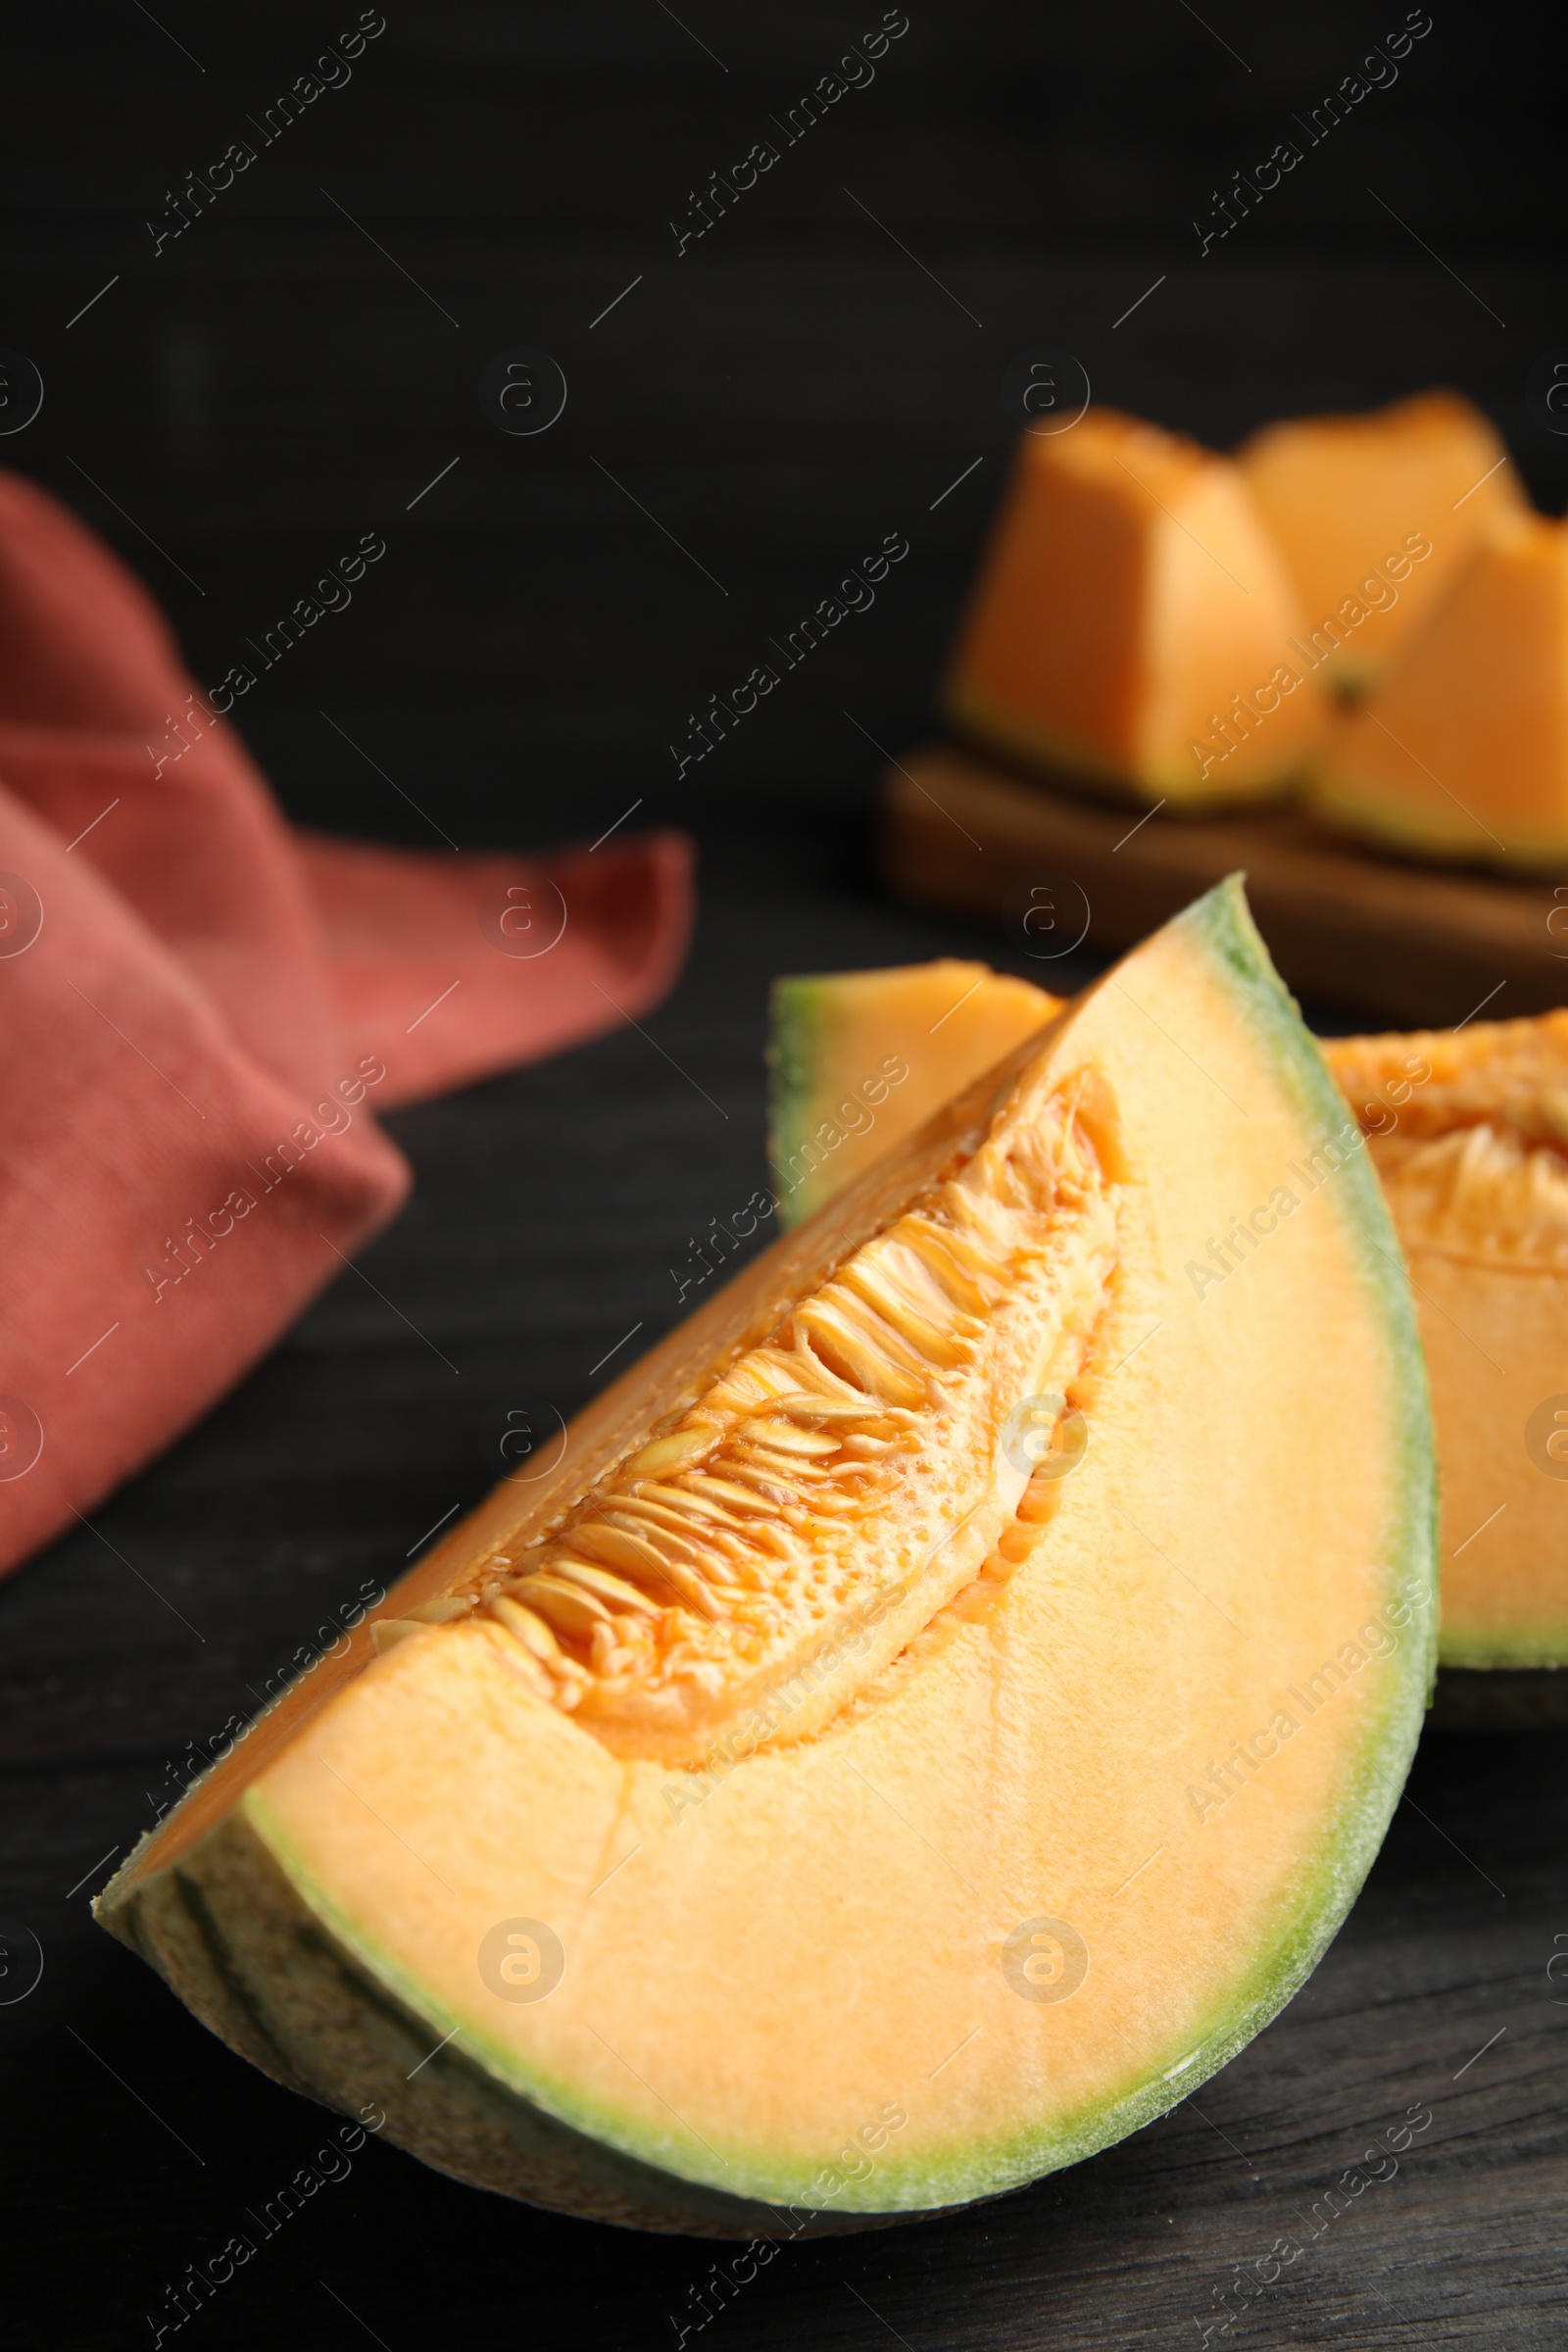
(746,419)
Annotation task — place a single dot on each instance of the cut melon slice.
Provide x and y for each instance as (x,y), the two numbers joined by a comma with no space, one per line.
(940,1705)
(1131,623)
(1376,516)
(1468,1130)
(1469,1134)
(1463,753)
(857,1060)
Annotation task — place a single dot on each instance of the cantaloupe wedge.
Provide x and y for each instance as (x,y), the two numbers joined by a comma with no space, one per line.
(1130,626)
(939,1707)
(857,1060)
(1376,516)
(1468,1130)
(1462,753)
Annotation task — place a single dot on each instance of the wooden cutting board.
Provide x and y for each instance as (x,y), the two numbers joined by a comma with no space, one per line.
(1418,947)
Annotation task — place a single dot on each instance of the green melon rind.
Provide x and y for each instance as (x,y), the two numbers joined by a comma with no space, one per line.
(231,1933)
(798,1013)
(556,2096)
(759,2181)
(1525,1646)
(604,2163)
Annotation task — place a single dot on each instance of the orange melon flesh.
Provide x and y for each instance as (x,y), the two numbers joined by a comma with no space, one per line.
(1376,516)
(1463,753)
(846,1908)
(1469,1134)
(857,1060)
(1131,622)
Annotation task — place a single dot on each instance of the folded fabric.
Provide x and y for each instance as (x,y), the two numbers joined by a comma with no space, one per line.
(202,1011)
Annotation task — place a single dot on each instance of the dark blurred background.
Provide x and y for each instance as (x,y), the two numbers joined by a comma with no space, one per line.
(300,365)
(791,388)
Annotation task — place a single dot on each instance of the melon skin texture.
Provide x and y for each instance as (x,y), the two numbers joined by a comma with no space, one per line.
(1130,628)
(1376,516)
(936,1916)
(1461,755)
(1468,1133)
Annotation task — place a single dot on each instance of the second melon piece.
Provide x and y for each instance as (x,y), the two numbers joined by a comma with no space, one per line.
(1462,754)
(1469,1130)
(1131,621)
(1376,516)
(857,1060)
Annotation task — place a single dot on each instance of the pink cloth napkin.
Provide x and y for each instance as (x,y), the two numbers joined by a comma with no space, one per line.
(202,1011)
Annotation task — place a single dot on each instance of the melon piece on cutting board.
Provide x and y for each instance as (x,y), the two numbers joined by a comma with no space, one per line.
(931,1714)
(857,1060)
(1462,753)
(1468,1130)
(1129,625)
(1376,516)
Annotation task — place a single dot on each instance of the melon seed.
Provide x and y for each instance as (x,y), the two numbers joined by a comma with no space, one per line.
(674,1452)
(564,1606)
(531,1631)
(613,1589)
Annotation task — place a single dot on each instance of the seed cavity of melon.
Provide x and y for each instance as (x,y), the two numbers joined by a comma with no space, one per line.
(1510,1073)
(1483,1193)
(1474,1158)
(851,1461)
